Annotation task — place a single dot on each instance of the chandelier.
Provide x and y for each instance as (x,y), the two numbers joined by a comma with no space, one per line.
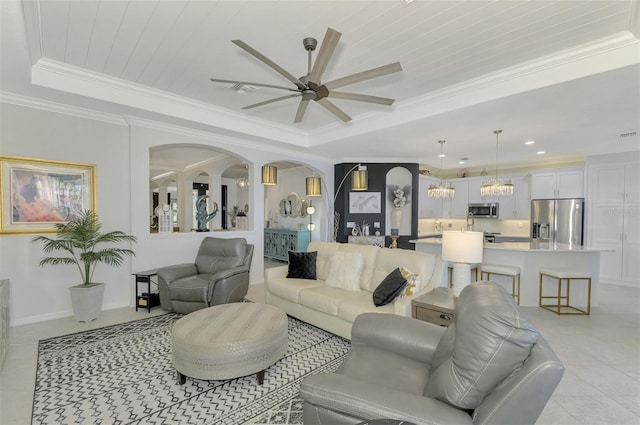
(496,186)
(440,190)
(243,183)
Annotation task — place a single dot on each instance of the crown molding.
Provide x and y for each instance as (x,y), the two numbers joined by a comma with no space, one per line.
(225,142)
(602,55)
(60,108)
(71,79)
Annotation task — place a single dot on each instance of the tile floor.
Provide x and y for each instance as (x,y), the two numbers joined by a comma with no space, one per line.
(602,354)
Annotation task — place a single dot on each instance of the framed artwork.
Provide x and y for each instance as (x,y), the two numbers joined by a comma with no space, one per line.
(365,203)
(36,194)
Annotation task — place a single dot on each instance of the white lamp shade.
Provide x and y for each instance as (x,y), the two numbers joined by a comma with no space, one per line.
(462,247)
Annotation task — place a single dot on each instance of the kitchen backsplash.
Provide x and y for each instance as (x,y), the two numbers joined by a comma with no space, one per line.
(427,226)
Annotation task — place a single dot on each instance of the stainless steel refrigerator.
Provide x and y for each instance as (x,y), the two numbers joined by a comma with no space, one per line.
(557,220)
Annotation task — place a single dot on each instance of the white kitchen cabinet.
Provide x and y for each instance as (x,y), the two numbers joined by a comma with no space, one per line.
(631,243)
(458,206)
(614,220)
(557,184)
(517,206)
(428,207)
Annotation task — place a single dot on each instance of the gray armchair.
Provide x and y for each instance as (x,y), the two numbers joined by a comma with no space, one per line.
(490,366)
(219,275)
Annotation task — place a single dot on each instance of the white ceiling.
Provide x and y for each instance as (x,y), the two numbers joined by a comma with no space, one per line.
(563,73)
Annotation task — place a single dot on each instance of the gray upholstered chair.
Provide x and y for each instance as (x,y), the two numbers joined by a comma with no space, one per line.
(491,366)
(219,275)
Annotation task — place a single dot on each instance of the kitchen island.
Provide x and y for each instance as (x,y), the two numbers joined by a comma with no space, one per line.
(531,257)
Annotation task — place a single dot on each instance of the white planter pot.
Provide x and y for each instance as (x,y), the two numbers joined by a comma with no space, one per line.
(87,301)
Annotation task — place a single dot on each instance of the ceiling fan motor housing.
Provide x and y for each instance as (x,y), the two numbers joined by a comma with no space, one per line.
(310,43)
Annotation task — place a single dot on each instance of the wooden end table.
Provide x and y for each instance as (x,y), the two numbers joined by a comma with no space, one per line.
(436,306)
(146,299)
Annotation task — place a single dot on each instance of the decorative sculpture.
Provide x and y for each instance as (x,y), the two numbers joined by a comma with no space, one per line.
(202,216)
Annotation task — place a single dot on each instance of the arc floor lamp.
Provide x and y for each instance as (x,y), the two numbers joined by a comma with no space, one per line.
(359,182)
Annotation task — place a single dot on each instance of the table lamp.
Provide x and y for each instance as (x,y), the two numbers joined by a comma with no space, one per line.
(462,248)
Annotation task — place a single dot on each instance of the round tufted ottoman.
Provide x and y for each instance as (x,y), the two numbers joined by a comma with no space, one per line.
(228,341)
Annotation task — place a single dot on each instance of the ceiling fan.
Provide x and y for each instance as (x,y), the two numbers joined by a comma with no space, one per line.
(309,86)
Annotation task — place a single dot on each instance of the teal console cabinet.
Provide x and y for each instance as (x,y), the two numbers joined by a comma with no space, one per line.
(278,242)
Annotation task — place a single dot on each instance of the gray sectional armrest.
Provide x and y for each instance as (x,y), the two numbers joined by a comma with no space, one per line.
(361,400)
(224,274)
(171,273)
(408,337)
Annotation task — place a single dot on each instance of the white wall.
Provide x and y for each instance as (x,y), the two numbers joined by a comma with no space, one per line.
(39,293)
(120,150)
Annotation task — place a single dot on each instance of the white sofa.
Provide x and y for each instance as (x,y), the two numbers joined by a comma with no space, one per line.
(335,309)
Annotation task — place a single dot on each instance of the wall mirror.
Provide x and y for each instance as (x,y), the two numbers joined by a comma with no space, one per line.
(201,170)
(285,208)
(303,207)
(294,201)
(290,206)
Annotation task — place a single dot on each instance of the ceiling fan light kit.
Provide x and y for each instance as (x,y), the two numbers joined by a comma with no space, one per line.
(496,186)
(309,86)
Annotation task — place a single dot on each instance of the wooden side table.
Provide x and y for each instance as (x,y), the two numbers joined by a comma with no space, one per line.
(436,306)
(146,299)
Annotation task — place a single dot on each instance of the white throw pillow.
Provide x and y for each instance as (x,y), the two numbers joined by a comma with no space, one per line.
(344,270)
(414,283)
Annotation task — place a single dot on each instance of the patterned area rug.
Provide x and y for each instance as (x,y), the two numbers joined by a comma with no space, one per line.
(122,374)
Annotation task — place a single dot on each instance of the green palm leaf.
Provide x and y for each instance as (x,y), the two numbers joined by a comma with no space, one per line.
(79,240)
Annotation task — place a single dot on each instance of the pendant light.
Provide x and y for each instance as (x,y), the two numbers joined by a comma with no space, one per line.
(269,175)
(440,190)
(243,182)
(496,186)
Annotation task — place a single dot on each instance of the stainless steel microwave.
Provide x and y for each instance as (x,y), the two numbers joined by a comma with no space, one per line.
(483,210)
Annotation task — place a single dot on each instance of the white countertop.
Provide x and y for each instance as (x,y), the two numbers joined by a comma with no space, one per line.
(520,246)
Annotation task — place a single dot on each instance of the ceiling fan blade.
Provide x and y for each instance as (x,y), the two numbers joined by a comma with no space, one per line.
(302,108)
(334,109)
(246,83)
(269,62)
(361,97)
(266,102)
(364,75)
(327,48)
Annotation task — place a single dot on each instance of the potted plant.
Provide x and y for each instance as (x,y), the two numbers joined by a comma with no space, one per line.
(79,240)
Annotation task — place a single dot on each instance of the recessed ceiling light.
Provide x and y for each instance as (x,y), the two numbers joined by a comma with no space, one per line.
(529,142)
(540,153)
(441,155)
(460,162)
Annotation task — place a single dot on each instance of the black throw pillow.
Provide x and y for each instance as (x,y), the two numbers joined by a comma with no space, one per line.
(389,288)
(302,265)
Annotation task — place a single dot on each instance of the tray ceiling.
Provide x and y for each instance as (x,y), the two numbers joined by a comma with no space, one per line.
(559,72)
